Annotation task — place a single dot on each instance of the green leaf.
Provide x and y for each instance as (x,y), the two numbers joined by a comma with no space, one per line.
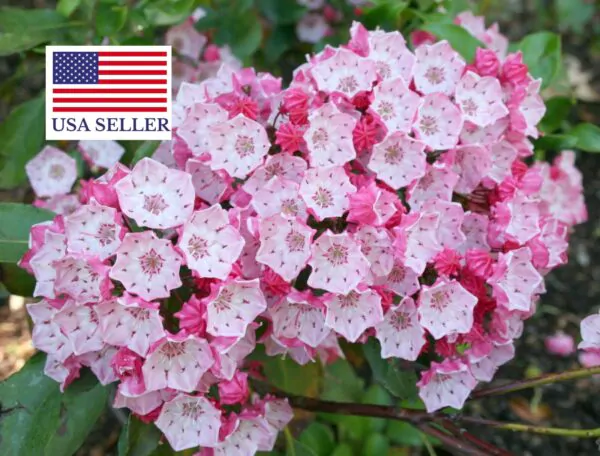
(296,448)
(376,395)
(402,433)
(22,29)
(166,12)
(138,438)
(38,420)
(574,14)
(281,12)
(319,438)
(384,14)
(291,377)
(557,110)
(21,137)
(67,7)
(376,445)
(15,222)
(146,149)
(462,41)
(587,136)
(111,17)
(341,384)
(242,32)
(16,280)
(401,383)
(555,142)
(542,54)
(280,40)
(343,449)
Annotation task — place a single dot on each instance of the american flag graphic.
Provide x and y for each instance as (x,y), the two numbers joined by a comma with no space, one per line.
(110,80)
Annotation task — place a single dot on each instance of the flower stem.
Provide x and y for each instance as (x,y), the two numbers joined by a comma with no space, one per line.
(537,381)
(518,427)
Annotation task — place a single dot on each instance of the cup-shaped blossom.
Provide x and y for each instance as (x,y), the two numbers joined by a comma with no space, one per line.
(209,185)
(130,322)
(484,368)
(329,137)
(190,421)
(351,314)
(147,266)
(46,333)
(471,164)
(196,129)
(446,384)
(439,122)
(401,279)
(238,146)
(417,241)
(377,246)
(396,105)
(325,191)
(82,279)
(400,333)
(233,306)
(338,264)
(299,317)
(51,172)
(94,230)
(590,333)
(53,248)
(399,160)
(103,153)
(345,72)
(177,362)
(438,68)
(390,54)
(80,324)
(480,99)
(284,166)
(437,184)
(285,245)
(446,308)
(156,196)
(209,243)
(279,196)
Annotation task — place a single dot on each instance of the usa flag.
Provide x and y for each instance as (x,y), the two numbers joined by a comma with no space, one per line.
(110,79)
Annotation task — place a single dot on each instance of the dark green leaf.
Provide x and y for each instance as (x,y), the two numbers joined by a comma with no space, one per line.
(319,438)
(384,14)
(138,438)
(67,7)
(401,383)
(281,39)
(557,110)
(376,445)
(281,12)
(587,136)
(555,142)
(402,433)
(242,32)
(41,421)
(340,383)
(289,376)
(21,137)
(22,29)
(462,41)
(16,280)
(167,12)
(15,222)
(343,449)
(297,448)
(541,52)
(376,395)
(110,17)
(145,150)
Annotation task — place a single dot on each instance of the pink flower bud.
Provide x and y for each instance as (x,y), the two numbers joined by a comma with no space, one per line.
(514,71)
(212,53)
(235,390)
(560,344)
(486,62)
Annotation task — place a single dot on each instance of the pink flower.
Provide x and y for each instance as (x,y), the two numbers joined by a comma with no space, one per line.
(338,265)
(190,421)
(438,122)
(560,344)
(312,28)
(186,41)
(147,266)
(235,390)
(446,308)
(486,62)
(326,191)
(395,105)
(399,160)
(400,333)
(372,205)
(480,99)
(51,172)
(156,196)
(104,154)
(446,384)
(438,68)
(345,72)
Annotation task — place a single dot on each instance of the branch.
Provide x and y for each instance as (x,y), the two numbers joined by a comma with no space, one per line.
(452,442)
(517,427)
(537,381)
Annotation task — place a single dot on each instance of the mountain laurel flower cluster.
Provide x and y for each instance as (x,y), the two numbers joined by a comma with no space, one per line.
(386,193)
